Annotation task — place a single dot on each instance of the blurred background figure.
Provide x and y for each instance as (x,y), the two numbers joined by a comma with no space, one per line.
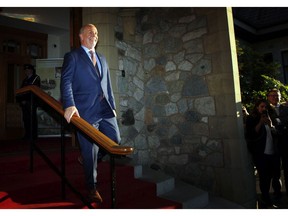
(260,137)
(24,101)
(279,115)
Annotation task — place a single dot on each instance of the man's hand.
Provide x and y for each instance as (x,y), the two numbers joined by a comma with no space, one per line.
(69,112)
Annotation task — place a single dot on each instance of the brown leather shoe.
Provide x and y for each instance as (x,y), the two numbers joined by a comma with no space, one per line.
(95,196)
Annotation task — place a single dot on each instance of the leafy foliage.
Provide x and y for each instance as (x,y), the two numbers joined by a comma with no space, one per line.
(257,76)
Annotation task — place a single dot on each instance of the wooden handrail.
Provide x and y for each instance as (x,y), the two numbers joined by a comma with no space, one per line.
(102,140)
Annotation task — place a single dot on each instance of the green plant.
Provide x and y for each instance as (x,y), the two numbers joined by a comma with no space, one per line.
(257,76)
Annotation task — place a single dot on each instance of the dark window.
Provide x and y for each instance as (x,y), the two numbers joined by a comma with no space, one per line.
(34,51)
(11,46)
(268,58)
(285,65)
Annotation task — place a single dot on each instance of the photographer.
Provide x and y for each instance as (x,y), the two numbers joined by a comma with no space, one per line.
(260,141)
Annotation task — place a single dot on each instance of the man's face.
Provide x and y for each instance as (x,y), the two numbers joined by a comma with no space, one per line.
(28,72)
(89,37)
(274,98)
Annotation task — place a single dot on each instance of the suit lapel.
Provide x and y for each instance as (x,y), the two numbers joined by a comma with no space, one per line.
(87,60)
(101,64)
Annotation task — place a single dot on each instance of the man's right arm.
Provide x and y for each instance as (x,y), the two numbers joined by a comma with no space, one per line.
(66,87)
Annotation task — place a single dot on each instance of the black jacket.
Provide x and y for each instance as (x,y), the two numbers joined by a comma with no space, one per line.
(256,141)
(32,80)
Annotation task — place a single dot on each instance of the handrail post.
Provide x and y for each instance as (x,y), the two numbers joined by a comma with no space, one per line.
(113,180)
(108,144)
(32,140)
(63,168)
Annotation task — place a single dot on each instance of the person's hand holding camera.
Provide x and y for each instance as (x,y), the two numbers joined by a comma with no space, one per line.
(265,119)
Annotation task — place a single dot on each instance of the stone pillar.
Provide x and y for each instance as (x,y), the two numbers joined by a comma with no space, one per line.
(105,19)
(235,180)
(129,23)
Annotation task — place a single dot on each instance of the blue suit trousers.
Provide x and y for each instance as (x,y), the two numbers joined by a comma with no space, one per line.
(107,124)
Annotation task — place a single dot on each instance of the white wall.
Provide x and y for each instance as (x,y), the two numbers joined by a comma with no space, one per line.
(57,45)
(53,46)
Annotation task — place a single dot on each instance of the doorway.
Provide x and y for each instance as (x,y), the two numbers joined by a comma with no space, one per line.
(13,111)
(17,47)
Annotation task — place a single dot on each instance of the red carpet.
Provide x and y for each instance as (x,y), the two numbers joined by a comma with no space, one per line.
(20,189)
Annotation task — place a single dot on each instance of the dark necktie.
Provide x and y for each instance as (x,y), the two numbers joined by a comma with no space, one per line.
(93,57)
(94,62)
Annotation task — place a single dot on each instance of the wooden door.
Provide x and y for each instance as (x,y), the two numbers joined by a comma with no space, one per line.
(15,75)
(17,47)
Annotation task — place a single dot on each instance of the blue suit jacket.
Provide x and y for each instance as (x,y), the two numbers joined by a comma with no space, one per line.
(82,87)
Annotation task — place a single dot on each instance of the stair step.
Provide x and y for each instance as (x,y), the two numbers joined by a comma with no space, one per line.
(129,162)
(164,183)
(168,188)
(188,195)
(137,186)
(220,203)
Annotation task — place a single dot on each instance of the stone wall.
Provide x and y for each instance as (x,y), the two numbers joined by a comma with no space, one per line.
(179,97)
(164,95)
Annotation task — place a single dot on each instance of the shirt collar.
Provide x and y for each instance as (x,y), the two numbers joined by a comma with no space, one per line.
(86,49)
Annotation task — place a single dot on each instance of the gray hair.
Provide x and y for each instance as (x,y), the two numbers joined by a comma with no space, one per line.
(84,27)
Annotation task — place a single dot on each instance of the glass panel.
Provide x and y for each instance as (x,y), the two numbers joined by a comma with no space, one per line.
(285,58)
(34,51)
(268,58)
(285,65)
(11,46)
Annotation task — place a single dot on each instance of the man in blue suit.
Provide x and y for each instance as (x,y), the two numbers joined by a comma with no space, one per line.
(86,92)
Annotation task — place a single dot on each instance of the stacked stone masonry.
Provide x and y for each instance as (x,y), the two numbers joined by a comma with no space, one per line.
(164,98)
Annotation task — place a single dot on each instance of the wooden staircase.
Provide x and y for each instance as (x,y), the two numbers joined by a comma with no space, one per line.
(168,188)
(137,186)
